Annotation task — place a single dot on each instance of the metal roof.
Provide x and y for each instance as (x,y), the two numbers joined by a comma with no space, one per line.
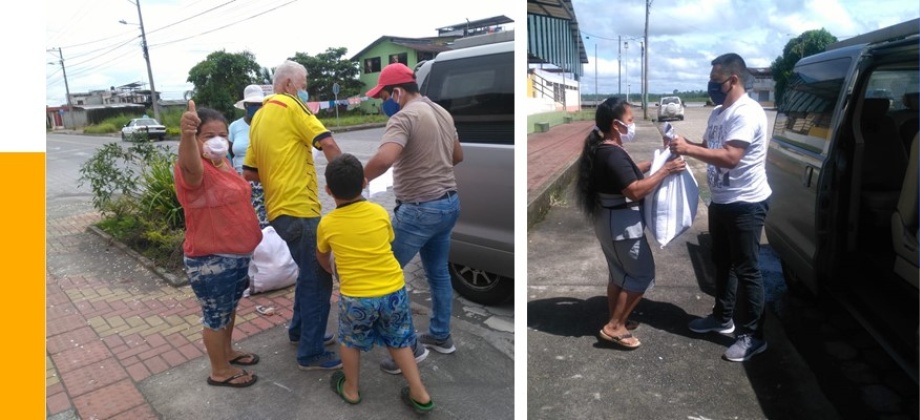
(556,9)
(481,23)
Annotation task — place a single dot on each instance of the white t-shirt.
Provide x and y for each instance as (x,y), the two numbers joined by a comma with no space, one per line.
(744,121)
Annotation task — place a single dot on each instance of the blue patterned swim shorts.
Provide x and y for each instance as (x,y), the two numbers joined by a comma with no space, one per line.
(384,320)
(219,283)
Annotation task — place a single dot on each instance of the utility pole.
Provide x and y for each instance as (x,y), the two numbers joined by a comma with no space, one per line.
(648,5)
(626,66)
(596,93)
(619,67)
(66,88)
(153,89)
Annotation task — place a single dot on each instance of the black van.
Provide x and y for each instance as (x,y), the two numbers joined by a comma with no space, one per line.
(842,164)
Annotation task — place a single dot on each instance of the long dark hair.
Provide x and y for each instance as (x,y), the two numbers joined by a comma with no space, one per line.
(586,191)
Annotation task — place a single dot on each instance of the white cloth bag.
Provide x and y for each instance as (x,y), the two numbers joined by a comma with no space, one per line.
(671,208)
(272,266)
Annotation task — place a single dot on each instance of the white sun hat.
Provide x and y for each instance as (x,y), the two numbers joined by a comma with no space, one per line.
(252,93)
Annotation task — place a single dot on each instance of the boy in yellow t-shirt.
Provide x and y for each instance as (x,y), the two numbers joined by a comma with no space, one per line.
(374,306)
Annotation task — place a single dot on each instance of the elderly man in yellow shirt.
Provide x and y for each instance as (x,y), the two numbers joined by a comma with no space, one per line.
(282,137)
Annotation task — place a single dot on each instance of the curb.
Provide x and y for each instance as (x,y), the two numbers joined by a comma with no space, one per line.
(538,205)
(170,278)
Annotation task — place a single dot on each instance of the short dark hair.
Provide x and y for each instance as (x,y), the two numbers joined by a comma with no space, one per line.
(732,64)
(345,177)
(411,87)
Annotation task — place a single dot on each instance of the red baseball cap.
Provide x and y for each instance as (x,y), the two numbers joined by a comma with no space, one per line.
(393,74)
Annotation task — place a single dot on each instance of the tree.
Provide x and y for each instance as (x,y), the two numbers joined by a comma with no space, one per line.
(808,43)
(220,79)
(266,75)
(327,68)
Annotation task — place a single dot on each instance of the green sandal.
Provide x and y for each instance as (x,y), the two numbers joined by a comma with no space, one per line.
(415,405)
(338,382)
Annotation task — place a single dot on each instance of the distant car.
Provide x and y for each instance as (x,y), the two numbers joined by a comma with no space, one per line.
(670,108)
(476,85)
(143,129)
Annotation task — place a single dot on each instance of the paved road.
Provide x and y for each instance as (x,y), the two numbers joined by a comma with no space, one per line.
(107,313)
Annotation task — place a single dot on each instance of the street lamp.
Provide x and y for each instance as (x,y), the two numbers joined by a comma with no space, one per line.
(153,89)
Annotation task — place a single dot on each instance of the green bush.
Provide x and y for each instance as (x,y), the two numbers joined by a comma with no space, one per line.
(134,190)
(103,128)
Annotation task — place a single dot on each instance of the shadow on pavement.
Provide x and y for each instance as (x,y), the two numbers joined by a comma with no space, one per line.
(573,317)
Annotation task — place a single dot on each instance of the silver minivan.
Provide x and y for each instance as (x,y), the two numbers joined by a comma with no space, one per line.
(842,164)
(476,85)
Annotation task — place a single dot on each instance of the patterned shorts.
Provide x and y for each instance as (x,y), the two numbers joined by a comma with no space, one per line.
(384,320)
(258,203)
(218,282)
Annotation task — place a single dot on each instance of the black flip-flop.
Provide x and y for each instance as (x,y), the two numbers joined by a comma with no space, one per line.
(228,381)
(338,383)
(254,358)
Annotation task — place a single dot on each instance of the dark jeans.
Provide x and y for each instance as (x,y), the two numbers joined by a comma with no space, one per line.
(313,289)
(735,230)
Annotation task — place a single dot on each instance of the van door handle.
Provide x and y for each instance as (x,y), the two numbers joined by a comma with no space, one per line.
(806,177)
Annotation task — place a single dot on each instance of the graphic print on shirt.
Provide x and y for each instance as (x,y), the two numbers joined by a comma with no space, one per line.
(718,177)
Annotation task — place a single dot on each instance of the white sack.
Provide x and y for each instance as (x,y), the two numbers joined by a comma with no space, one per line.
(671,208)
(272,266)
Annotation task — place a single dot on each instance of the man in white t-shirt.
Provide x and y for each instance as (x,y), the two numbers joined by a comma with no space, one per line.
(735,147)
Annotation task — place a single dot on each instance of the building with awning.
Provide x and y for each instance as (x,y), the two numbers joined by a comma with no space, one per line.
(555,56)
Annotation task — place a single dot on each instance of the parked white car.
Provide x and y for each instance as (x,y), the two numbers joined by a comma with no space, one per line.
(670,108)
(143,129)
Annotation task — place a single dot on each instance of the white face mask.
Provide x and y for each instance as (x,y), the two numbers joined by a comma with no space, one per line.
(216,148)
(630,135)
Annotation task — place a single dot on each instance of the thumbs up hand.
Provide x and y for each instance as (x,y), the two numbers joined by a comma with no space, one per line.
(190,121)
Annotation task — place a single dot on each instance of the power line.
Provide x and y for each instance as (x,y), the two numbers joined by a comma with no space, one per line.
(191,17)
(111,48)
(223,27)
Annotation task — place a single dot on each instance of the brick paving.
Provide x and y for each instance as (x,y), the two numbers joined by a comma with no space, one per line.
(552,152)
(105,334)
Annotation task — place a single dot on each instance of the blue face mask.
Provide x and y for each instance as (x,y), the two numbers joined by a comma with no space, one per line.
(390,107)
(715,92)
(303,95)
(251,110)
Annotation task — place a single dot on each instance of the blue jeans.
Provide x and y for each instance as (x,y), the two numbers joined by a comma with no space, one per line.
(735,230)
(313,289)
(424,229)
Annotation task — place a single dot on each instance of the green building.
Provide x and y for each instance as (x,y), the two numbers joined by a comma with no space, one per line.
(412,51)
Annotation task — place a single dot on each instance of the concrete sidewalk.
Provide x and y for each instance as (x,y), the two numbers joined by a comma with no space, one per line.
(122,344)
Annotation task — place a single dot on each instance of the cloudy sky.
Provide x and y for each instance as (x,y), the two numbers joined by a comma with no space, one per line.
(685,35)
(100,52)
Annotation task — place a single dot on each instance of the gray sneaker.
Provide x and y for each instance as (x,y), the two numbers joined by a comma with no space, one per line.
(745,347)
(389,365)
(445,346)
(709,323)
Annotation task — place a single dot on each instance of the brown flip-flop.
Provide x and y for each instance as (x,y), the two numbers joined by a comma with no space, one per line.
(619,339)
(238,360)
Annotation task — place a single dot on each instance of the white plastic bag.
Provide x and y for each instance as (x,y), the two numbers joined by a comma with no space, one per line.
(272,266)
(671,208)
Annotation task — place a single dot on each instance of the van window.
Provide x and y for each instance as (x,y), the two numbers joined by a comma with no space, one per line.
(893,85)
(479,93)
(804,118)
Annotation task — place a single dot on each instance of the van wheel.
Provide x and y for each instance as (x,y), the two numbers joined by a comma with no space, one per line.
(480,286)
